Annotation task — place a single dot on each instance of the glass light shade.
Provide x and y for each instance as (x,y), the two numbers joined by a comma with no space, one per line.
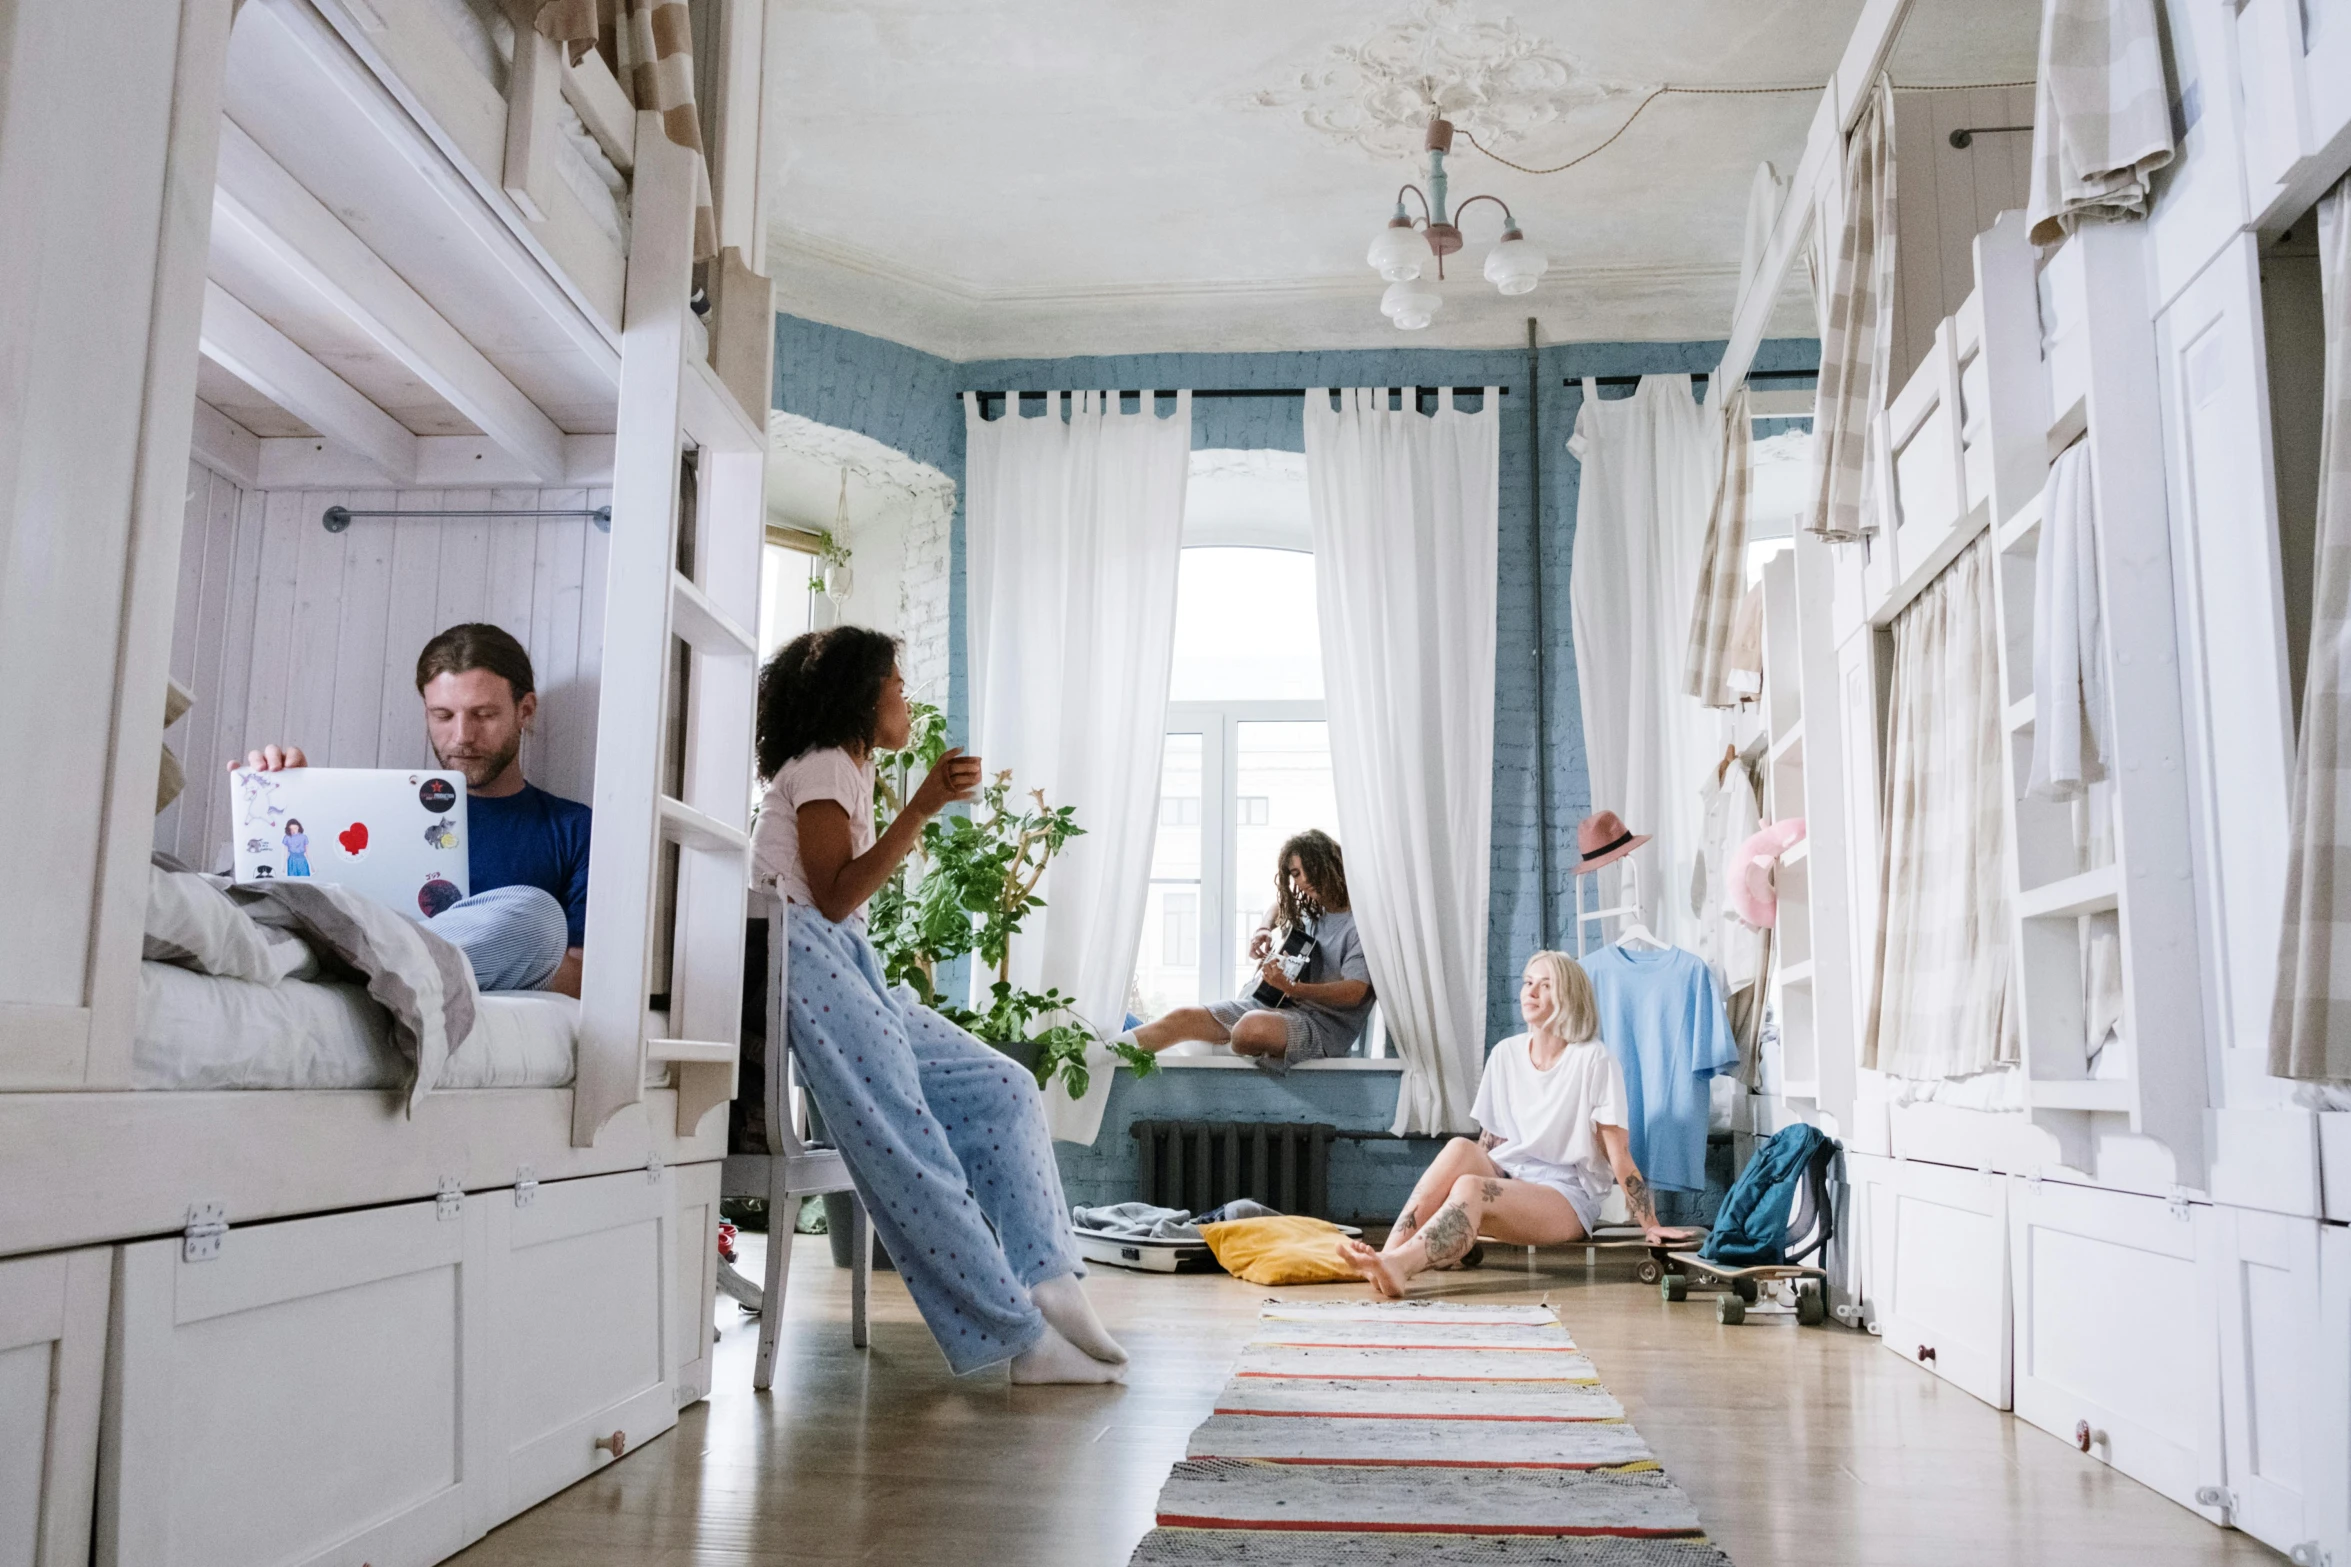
(1410,305)
(1514,266)
(1398,254)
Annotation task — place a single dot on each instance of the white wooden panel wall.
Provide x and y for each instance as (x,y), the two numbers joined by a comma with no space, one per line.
(288,632)
(1944,197)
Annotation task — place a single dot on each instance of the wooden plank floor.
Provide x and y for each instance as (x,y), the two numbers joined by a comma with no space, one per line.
(1799,1446)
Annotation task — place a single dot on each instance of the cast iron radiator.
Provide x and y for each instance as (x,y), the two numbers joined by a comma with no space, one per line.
(1199,1165)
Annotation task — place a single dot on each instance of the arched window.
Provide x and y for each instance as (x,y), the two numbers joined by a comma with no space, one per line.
(1247,759)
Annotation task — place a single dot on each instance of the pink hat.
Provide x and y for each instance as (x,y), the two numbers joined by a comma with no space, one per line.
(1602,837)
(1748,877)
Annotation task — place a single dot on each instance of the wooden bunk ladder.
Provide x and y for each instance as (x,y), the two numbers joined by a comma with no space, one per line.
(662,985)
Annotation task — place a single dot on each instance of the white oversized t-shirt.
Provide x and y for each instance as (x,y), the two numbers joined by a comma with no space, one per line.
(1546,1119)
(831,774)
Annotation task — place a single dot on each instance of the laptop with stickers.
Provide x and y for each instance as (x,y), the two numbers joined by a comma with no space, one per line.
(391,835)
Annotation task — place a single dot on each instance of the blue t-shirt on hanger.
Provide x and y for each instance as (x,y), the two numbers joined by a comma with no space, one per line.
(1662,1016)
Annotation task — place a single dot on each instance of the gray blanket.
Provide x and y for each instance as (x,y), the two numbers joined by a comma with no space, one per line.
(1140,1221)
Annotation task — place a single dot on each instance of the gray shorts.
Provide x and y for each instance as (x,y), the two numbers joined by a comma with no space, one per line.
(1302,1041)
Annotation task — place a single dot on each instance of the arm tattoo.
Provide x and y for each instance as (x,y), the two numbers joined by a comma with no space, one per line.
(1636,1198)
(1448,1236)
(1491,1191)
(1488,1140)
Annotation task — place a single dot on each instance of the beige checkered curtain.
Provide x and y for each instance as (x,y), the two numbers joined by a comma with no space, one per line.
(1722,564)
(1857,332)
(2310,1024)
(1940,1007)
(651,51)
(2101,116)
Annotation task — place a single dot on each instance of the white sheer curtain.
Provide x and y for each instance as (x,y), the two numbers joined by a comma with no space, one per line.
(1405,512)
(1073,526)
(1649,470)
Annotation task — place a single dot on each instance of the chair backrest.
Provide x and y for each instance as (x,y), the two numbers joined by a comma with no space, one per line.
(784,1136)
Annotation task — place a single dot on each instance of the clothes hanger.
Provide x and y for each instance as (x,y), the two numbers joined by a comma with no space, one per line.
(1722,769)
(1637,934)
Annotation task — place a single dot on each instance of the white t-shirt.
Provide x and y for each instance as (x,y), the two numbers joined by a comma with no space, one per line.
(1546,1119)
(831,774)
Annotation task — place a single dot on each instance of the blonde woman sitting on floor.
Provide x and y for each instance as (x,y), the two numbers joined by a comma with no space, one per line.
(1552,1103)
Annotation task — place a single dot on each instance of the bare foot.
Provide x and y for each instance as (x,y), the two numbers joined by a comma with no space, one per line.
(1377,1268)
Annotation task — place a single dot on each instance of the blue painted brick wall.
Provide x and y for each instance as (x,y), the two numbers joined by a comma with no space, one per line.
(903,397)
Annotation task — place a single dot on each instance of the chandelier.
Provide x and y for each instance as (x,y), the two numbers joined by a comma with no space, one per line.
(1402,251)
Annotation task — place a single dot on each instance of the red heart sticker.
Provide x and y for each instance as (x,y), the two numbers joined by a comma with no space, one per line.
(353,839)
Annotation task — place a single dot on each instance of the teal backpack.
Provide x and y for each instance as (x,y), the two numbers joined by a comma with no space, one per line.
(1785,1192)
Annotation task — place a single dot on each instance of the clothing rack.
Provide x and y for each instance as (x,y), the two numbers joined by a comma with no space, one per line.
(337,518)
(1631,886)
(1418,392)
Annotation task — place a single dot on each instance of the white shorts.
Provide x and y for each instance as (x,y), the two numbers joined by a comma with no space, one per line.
(1587,1207)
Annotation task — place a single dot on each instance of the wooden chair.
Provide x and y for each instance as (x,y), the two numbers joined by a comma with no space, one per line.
(791,1169)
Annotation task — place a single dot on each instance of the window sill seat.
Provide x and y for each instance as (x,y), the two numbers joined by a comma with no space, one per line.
(1242,1064)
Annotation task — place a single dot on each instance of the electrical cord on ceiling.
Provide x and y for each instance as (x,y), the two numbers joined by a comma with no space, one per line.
(1656,93)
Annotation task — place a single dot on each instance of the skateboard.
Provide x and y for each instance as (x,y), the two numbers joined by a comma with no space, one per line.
(1744,1285)
(1656,1264)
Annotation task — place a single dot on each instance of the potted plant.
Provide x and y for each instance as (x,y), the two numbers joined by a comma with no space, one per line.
(967,890)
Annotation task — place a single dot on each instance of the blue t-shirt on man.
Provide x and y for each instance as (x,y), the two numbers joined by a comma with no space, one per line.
(532,839)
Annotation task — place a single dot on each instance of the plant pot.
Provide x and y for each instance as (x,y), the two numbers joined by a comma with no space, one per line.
(1024,1051)
(836,1224)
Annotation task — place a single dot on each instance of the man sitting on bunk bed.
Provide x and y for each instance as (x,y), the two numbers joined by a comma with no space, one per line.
(528,860)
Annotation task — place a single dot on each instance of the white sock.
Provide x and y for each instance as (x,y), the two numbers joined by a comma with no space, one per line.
(1063,1301)
(1055,1359)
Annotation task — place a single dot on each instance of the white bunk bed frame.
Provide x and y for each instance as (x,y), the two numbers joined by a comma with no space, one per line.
(432,1323)
(2176,1221)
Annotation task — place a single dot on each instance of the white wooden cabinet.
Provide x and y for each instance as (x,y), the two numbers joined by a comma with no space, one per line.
(2115,1330)
(695,1282)
(305,1395)
(2326,1493)
(2268,1319)
(385,1386)
(52,1357)
(1945,1305)
(1869,1238)
(582,1334)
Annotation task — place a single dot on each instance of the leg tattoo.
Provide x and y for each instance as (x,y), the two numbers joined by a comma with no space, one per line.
(1492,1191)
(1406,1223)
(1448,1236)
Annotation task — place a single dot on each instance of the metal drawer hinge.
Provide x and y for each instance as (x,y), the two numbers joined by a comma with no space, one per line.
(526,1186)
(207,1223)
(2179,1203)
(449,1201)
(653,1168)
(2218,1496)
(2032,1181)
(2310,1554)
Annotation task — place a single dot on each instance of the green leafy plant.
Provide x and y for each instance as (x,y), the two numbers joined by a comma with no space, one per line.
(967,891)
(830,551)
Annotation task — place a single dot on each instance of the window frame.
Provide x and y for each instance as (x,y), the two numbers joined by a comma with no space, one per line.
(1218,726)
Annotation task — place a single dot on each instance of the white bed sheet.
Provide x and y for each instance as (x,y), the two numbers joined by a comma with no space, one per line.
(199,1031)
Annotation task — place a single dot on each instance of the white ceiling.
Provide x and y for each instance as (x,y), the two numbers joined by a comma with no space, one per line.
(1015,177)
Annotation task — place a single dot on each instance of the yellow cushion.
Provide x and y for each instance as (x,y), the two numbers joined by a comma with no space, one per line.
(1286,1250)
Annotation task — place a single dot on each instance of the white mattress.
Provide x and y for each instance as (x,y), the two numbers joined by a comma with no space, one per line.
(197,1031)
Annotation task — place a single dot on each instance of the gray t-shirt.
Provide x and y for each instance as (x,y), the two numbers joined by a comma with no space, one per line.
(1337,955)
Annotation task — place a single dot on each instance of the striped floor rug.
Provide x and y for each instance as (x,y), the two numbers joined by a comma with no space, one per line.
(1392,1434)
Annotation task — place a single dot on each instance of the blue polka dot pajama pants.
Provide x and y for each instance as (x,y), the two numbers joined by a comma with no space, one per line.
(945,1139)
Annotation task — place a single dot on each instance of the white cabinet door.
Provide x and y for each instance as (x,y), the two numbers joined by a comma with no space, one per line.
(1946,1301)
(52,1360)
(2326,1494)
(581,1328)
(695,1288)
(2268,1353)
(2115,1332)
(303,1396)
(1869,1238)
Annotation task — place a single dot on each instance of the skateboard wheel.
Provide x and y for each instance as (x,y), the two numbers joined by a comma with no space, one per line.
(1729,1310)
(1812,1306)
(1648,1271)
(1748,1290)
(1674,1287)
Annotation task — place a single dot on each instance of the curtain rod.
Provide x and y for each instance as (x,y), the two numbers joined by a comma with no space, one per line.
(337,518)
(1229,391)
(1754,377)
